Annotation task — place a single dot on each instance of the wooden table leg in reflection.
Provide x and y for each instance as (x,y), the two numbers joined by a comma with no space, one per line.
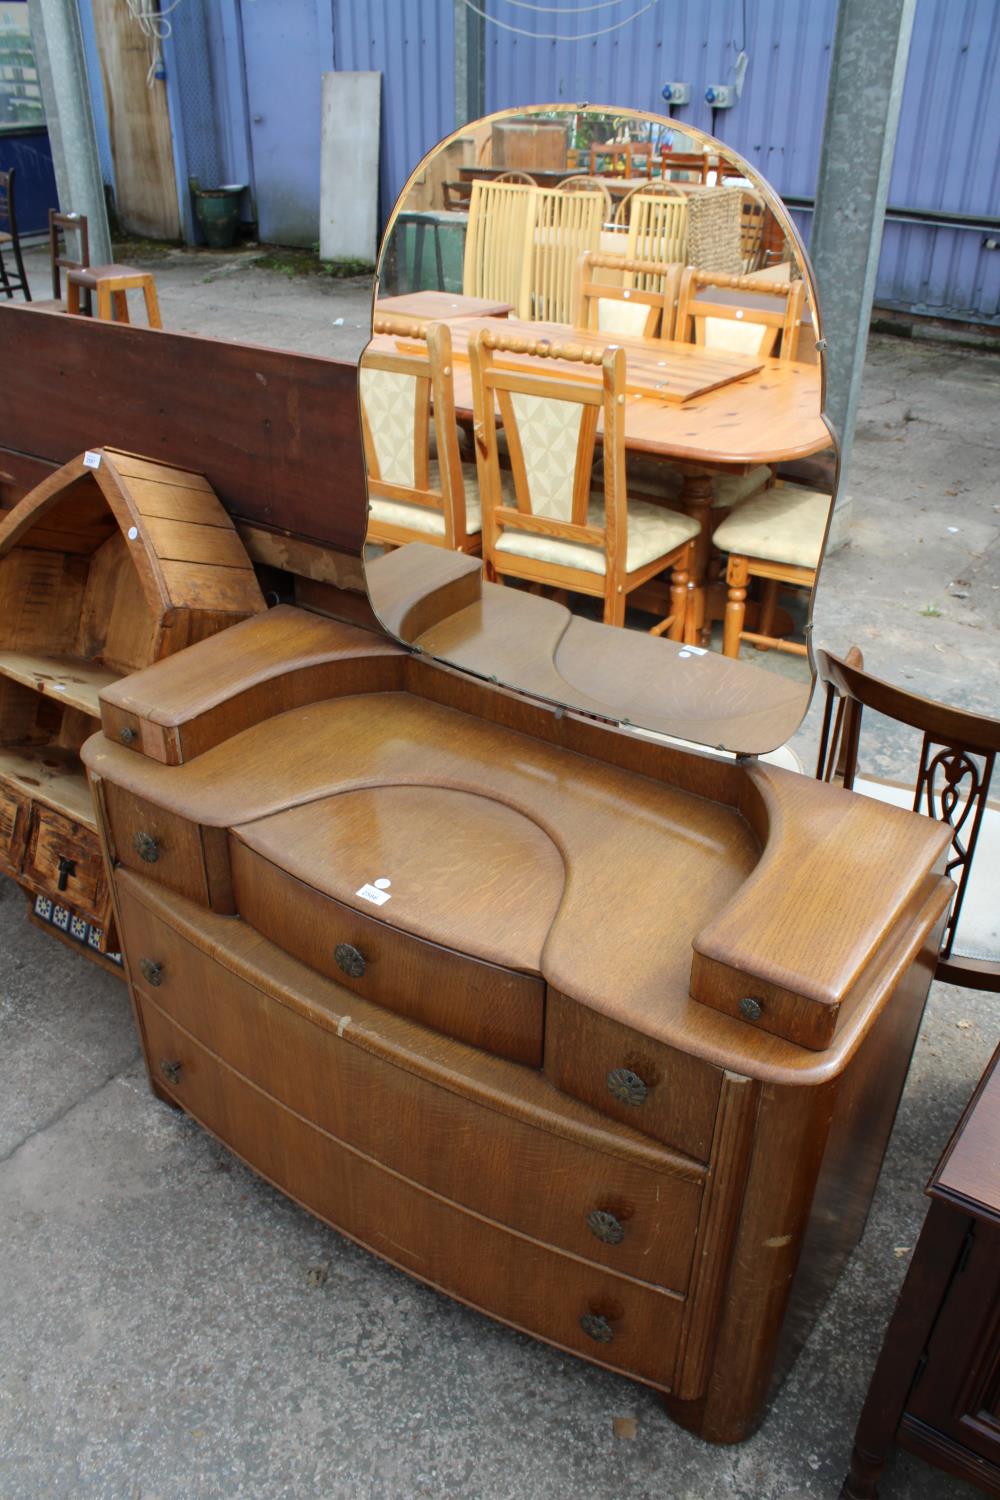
(696,498)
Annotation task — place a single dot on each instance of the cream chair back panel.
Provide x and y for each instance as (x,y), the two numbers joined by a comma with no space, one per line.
(733,334)
(614,316)
(499,213)
(549,434)
(564,225)
(390,403)
(658,230)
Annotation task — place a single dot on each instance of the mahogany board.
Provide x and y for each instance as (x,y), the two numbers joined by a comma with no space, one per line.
(275,433)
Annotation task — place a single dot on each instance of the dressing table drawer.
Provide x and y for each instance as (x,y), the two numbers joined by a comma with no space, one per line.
(653,1088)
(499,1010)
(553,1170)
(623,1324)
(156,843)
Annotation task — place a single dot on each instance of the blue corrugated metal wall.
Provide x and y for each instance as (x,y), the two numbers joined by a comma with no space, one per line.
(946,157)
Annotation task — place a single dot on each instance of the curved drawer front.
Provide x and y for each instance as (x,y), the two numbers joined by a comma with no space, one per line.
(622,1324)
(156,843)
(611,1206)
(497,1009)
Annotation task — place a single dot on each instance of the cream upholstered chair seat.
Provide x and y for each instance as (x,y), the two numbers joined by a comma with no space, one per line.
(653,476)
(422,518)
(785,524)
(652,532)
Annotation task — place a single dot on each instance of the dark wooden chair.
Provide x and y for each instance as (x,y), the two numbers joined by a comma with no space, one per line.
(9,238)
(953,778)
(61,226)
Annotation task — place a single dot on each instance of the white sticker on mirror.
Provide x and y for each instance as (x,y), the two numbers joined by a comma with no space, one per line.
(374,895)
(91,460)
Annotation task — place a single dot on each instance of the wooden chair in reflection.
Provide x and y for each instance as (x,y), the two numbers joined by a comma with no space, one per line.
(61,228)
(521,177)
(419,489)
(622,306)
(688,166)
(581,183)
(621,158)
(753,218)
(656,188)
(499,217)
(554,531)
(765,321)
(658,227)
(563,226)
(957,756)
(776,537)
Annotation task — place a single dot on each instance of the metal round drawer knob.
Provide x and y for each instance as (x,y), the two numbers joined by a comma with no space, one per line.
(627,1087)
(349,960)
(605,1226)
(147,847)
(597,1328)
(127,735)
(151,971)
(170,1069)
(751,1009)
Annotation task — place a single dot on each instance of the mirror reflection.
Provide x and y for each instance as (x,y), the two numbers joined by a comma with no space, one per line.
(597,465)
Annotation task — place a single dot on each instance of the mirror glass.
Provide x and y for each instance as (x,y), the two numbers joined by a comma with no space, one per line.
(592,412)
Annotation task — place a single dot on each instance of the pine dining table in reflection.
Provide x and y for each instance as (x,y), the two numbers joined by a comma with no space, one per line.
(702,411)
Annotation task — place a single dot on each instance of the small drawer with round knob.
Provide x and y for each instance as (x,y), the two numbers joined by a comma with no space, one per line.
(157,844)
(170,1070)
(151,970)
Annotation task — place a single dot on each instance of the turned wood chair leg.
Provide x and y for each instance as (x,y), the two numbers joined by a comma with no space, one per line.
(121,306)
(736,605)
(679,592)
(152,304)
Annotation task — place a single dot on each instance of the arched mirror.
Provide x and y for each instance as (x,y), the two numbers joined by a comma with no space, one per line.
(592,411)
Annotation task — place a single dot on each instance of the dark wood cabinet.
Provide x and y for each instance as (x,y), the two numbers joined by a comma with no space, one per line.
(936,1387)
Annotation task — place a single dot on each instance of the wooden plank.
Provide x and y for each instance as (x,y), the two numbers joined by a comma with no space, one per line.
(203,586)
(180,541)
(175,502)
(135,466)
(276,434)
(49,775)
(67,679)
(139,124)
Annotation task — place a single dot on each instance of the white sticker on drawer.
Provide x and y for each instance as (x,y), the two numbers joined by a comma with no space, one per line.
(375,892)
(91,460)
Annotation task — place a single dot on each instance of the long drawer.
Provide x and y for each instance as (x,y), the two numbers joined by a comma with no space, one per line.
(500,1010)
(623,1324)
(630,1206)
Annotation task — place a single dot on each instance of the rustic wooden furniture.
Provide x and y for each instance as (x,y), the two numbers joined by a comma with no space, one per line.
(553,531)
(936,1386)
(776,536)
(752,327)
(9,239)
(658,186)
(110,564)
(550,1016)
(61,226)
(440,307)
(957,756)
(111,286)
(416,492)
(516,177)
(641,303)
(693,164)
(456,196)
(619,158)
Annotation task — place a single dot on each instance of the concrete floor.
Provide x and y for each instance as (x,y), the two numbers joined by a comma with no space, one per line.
(172,1328)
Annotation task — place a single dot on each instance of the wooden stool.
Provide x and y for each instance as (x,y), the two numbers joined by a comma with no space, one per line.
(112,283)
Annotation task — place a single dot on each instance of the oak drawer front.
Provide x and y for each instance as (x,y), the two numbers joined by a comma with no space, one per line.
(159,845)
(568,1193)
(13,821)
(496,1009)
(619,1323)
(63,859)
(653,1088)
